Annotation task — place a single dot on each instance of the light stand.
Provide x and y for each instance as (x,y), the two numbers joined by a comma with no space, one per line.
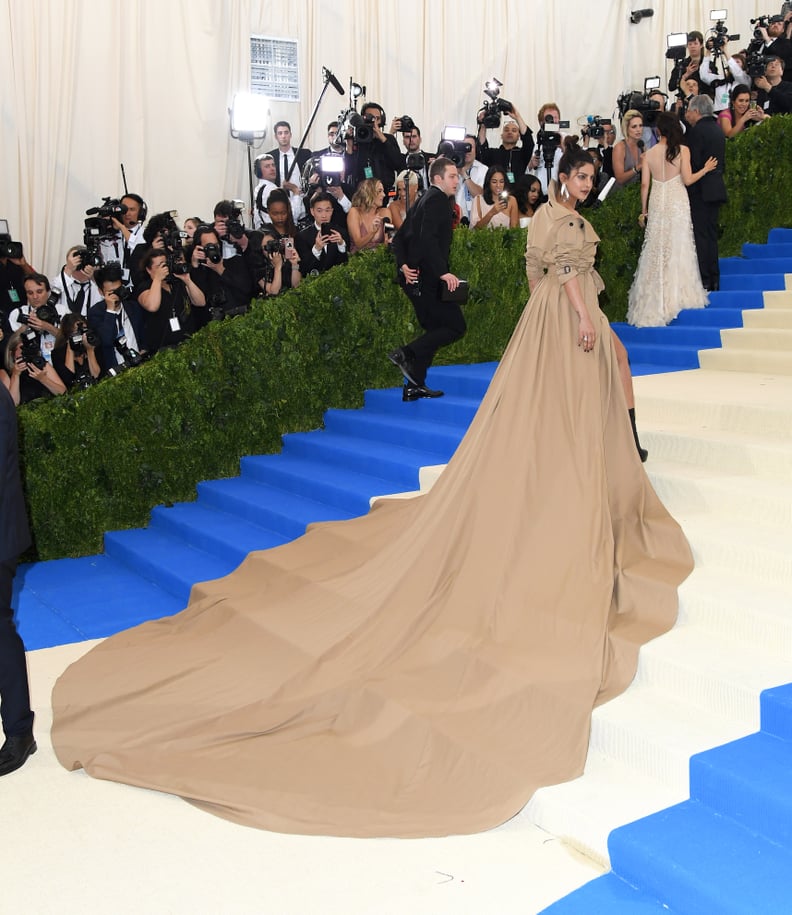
(328,78)
(249,114)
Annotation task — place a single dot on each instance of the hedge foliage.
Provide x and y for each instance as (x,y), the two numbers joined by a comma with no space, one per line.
(100,459)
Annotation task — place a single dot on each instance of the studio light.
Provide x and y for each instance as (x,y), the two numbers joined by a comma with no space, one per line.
(249,115)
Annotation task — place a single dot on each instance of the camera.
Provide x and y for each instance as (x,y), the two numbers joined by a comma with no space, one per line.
(719,34)
(594,126)
(8,248)
(330,169)
(213,253)
(46,312)
(271,246)
(361,128)
(641,101)
(31,348)
(100,220)
(495,106)
(88,257)
(130,355)
(415,162)
(548,140)
(453,145)
(407,124)
(761,22)
(82,335)
(177,265)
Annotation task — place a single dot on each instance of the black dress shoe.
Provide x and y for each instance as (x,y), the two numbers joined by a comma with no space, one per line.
(399,358)
(15,751)
(417,391)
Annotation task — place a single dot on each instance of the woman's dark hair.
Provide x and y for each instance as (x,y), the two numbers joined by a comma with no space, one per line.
(68,325)
(573,157)
(159,222)
(522,188)
(277,195)
(668,126)
(739,89)
(495,170)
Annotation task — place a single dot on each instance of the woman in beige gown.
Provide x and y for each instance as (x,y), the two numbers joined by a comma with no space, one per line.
(424,669)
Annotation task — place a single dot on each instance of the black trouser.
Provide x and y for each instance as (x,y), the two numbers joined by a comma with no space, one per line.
(443,323)
(14,691)
(705,232)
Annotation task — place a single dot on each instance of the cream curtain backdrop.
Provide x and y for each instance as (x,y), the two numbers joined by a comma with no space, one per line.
(88,84)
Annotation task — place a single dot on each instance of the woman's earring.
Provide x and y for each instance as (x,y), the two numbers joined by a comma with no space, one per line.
(564,192)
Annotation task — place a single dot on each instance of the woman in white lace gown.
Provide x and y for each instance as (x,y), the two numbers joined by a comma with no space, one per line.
(667,279)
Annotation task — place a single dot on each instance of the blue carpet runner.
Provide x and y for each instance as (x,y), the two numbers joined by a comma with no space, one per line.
(726,850)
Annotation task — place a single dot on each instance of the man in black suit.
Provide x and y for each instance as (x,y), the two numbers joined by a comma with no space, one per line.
(704,139)
(14,538)
(324,243)
(422,248)
(289,162)
(117,317)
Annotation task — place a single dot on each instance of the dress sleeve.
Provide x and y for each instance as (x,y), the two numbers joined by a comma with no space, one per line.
(535,248)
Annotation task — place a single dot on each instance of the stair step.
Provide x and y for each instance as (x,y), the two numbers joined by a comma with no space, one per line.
(713,491)
(350,490)
(672,335)
(166,560)
(732,282)
(462,380)
(585,810)
(696,666)
(776,299)
(698,861)
(727,780)
(777,711)
(751,613)
(454,410)
(216,532)
(765,362)
(654,735)
(753,339)
(385,460)
(607,895)
(779,236)
(685,357)
(769,317)
(736,298)
(267,506)
(711,316)
(756,264)
(778,249)
(439,438)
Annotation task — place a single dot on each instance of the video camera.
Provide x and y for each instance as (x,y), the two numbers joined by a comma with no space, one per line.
(755,59)
(718,35)
(495,107)
(548,139)
(100,220)
(641,102)
(8,248)
(453,145)
(593,125)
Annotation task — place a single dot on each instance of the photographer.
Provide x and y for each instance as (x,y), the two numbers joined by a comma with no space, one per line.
(28,374)
(225,283)
(776,42)
(13,270)
(75,282)
(168,296)
(775,94)
(513,157)
(370,153)
(74,355)
(549,147)
(322,245)
(689,67)
(42,312)
(411,137)
(128,226)
(278,267)
(116,320)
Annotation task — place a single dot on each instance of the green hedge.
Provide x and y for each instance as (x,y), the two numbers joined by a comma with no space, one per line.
(101,459)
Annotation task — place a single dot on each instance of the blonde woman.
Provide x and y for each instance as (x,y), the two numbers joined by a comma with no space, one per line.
(366,215)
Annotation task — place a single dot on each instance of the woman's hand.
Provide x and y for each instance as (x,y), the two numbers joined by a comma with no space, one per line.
(711,164)
(587,336)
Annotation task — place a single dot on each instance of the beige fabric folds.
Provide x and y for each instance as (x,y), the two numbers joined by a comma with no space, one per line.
(423,669)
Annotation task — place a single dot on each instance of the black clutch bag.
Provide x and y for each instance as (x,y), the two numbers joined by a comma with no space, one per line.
(458,296)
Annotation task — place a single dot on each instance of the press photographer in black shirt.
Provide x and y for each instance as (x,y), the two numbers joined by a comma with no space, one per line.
(225,283)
